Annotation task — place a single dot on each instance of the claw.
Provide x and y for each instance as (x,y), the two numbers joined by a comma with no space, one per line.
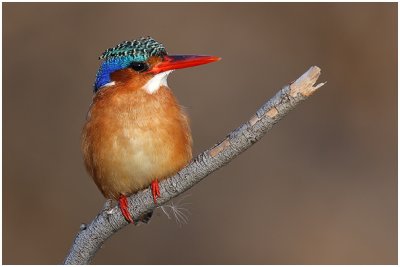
(155,190)
(123,206)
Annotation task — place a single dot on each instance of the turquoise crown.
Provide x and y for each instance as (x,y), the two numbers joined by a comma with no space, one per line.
(124,54)
(140,49)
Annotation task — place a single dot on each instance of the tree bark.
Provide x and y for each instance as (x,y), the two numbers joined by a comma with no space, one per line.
(106,223)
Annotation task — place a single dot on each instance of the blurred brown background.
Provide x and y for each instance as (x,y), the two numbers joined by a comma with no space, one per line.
(320,188)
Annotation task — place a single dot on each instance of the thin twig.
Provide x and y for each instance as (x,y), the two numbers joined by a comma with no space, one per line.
(92,236)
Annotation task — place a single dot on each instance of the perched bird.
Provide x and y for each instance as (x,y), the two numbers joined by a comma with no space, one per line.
(136,134)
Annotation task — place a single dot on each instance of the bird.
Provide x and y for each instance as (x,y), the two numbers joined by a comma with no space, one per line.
(136,133)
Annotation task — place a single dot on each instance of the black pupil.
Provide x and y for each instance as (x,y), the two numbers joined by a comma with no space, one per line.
(139,66)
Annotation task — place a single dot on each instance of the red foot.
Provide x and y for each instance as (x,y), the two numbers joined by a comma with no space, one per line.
(155,190)
(123,206)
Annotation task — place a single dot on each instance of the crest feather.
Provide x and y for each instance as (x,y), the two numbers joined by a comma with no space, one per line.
(140,49)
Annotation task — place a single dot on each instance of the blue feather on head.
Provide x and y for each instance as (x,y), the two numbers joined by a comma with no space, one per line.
(123,55)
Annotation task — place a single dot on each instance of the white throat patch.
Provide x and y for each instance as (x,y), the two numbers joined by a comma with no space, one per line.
(156,82)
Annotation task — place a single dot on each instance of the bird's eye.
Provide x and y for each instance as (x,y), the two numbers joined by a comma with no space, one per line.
(139,66)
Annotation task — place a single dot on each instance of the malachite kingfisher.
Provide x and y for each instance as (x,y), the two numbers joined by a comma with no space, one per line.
(136,133)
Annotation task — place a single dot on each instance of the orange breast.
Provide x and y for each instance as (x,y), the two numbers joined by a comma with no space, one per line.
(132,137)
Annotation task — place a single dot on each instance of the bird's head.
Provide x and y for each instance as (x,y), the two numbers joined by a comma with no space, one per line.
(144,61)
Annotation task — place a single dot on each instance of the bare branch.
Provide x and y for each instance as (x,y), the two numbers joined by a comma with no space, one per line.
(92,236)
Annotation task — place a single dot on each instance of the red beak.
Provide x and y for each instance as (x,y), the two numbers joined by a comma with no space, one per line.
(173,62)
